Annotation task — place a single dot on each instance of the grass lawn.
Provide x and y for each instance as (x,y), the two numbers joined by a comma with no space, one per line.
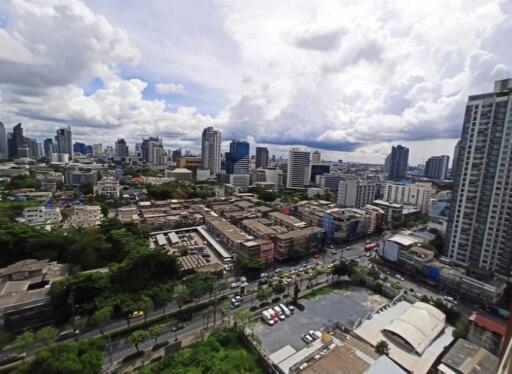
(336,288)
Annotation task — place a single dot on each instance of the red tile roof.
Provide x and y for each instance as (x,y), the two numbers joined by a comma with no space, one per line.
(488,324)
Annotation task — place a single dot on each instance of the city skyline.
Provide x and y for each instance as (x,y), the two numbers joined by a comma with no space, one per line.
(394,90)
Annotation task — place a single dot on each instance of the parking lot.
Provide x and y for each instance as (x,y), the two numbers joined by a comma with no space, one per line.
(344,306)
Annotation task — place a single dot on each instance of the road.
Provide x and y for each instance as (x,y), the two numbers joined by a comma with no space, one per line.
(121,348)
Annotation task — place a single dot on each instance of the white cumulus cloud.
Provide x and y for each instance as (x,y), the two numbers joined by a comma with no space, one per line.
(169,88)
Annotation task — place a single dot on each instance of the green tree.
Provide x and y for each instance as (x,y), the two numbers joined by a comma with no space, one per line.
(278,288)
(46,335)
(181,294)
(136,338)
(163,295)
(382,347)
(296,292)
(242,317)
(461,328)
(154,332)
(146,305)
(101,317)
(425,299)
(83,357)
(342,268)
(24,341)
(263,294)
(252,266)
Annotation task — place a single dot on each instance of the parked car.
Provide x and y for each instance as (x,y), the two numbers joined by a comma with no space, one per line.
(235,285)
(273,315)
(285,310)
(263,275)
(279,313)
(315,334)
(291,308)
(450,299)
(307,338)
(265,315)
(237,299)
(300,307)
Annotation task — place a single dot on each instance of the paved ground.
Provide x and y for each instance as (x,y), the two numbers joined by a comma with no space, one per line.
(345,307)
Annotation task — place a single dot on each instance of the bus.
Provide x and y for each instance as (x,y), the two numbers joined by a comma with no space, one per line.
(370,247)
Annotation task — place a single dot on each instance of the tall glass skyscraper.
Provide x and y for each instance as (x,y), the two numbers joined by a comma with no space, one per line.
(237,159)
(261,157)
(64,142)
(479,234)
(436,167)
(397,162)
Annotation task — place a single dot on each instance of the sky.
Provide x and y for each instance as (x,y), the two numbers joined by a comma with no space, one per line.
(347,77)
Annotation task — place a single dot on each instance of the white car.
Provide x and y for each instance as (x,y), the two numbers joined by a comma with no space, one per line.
(449,298)
(279,313)
(236,299)
(307,338)
(285,310)
(235,284)
(265,315)
(315,334)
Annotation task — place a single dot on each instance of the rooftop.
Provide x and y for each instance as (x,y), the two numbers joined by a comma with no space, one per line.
(488,324)
(299,233)
(259,227)
(288,219)
(29,265)
(404,240)
(416,340)
(468,358)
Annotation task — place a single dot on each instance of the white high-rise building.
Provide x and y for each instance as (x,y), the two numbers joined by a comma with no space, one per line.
(210,150)
(356,192)
(299,168)
(97,150)
(479,234)
(417,194)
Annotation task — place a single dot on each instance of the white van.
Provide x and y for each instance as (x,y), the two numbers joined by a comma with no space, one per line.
(265,315)
(285,310)
(279,313)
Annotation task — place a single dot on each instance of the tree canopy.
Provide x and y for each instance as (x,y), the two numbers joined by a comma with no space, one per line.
(83,357)
(221,353)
